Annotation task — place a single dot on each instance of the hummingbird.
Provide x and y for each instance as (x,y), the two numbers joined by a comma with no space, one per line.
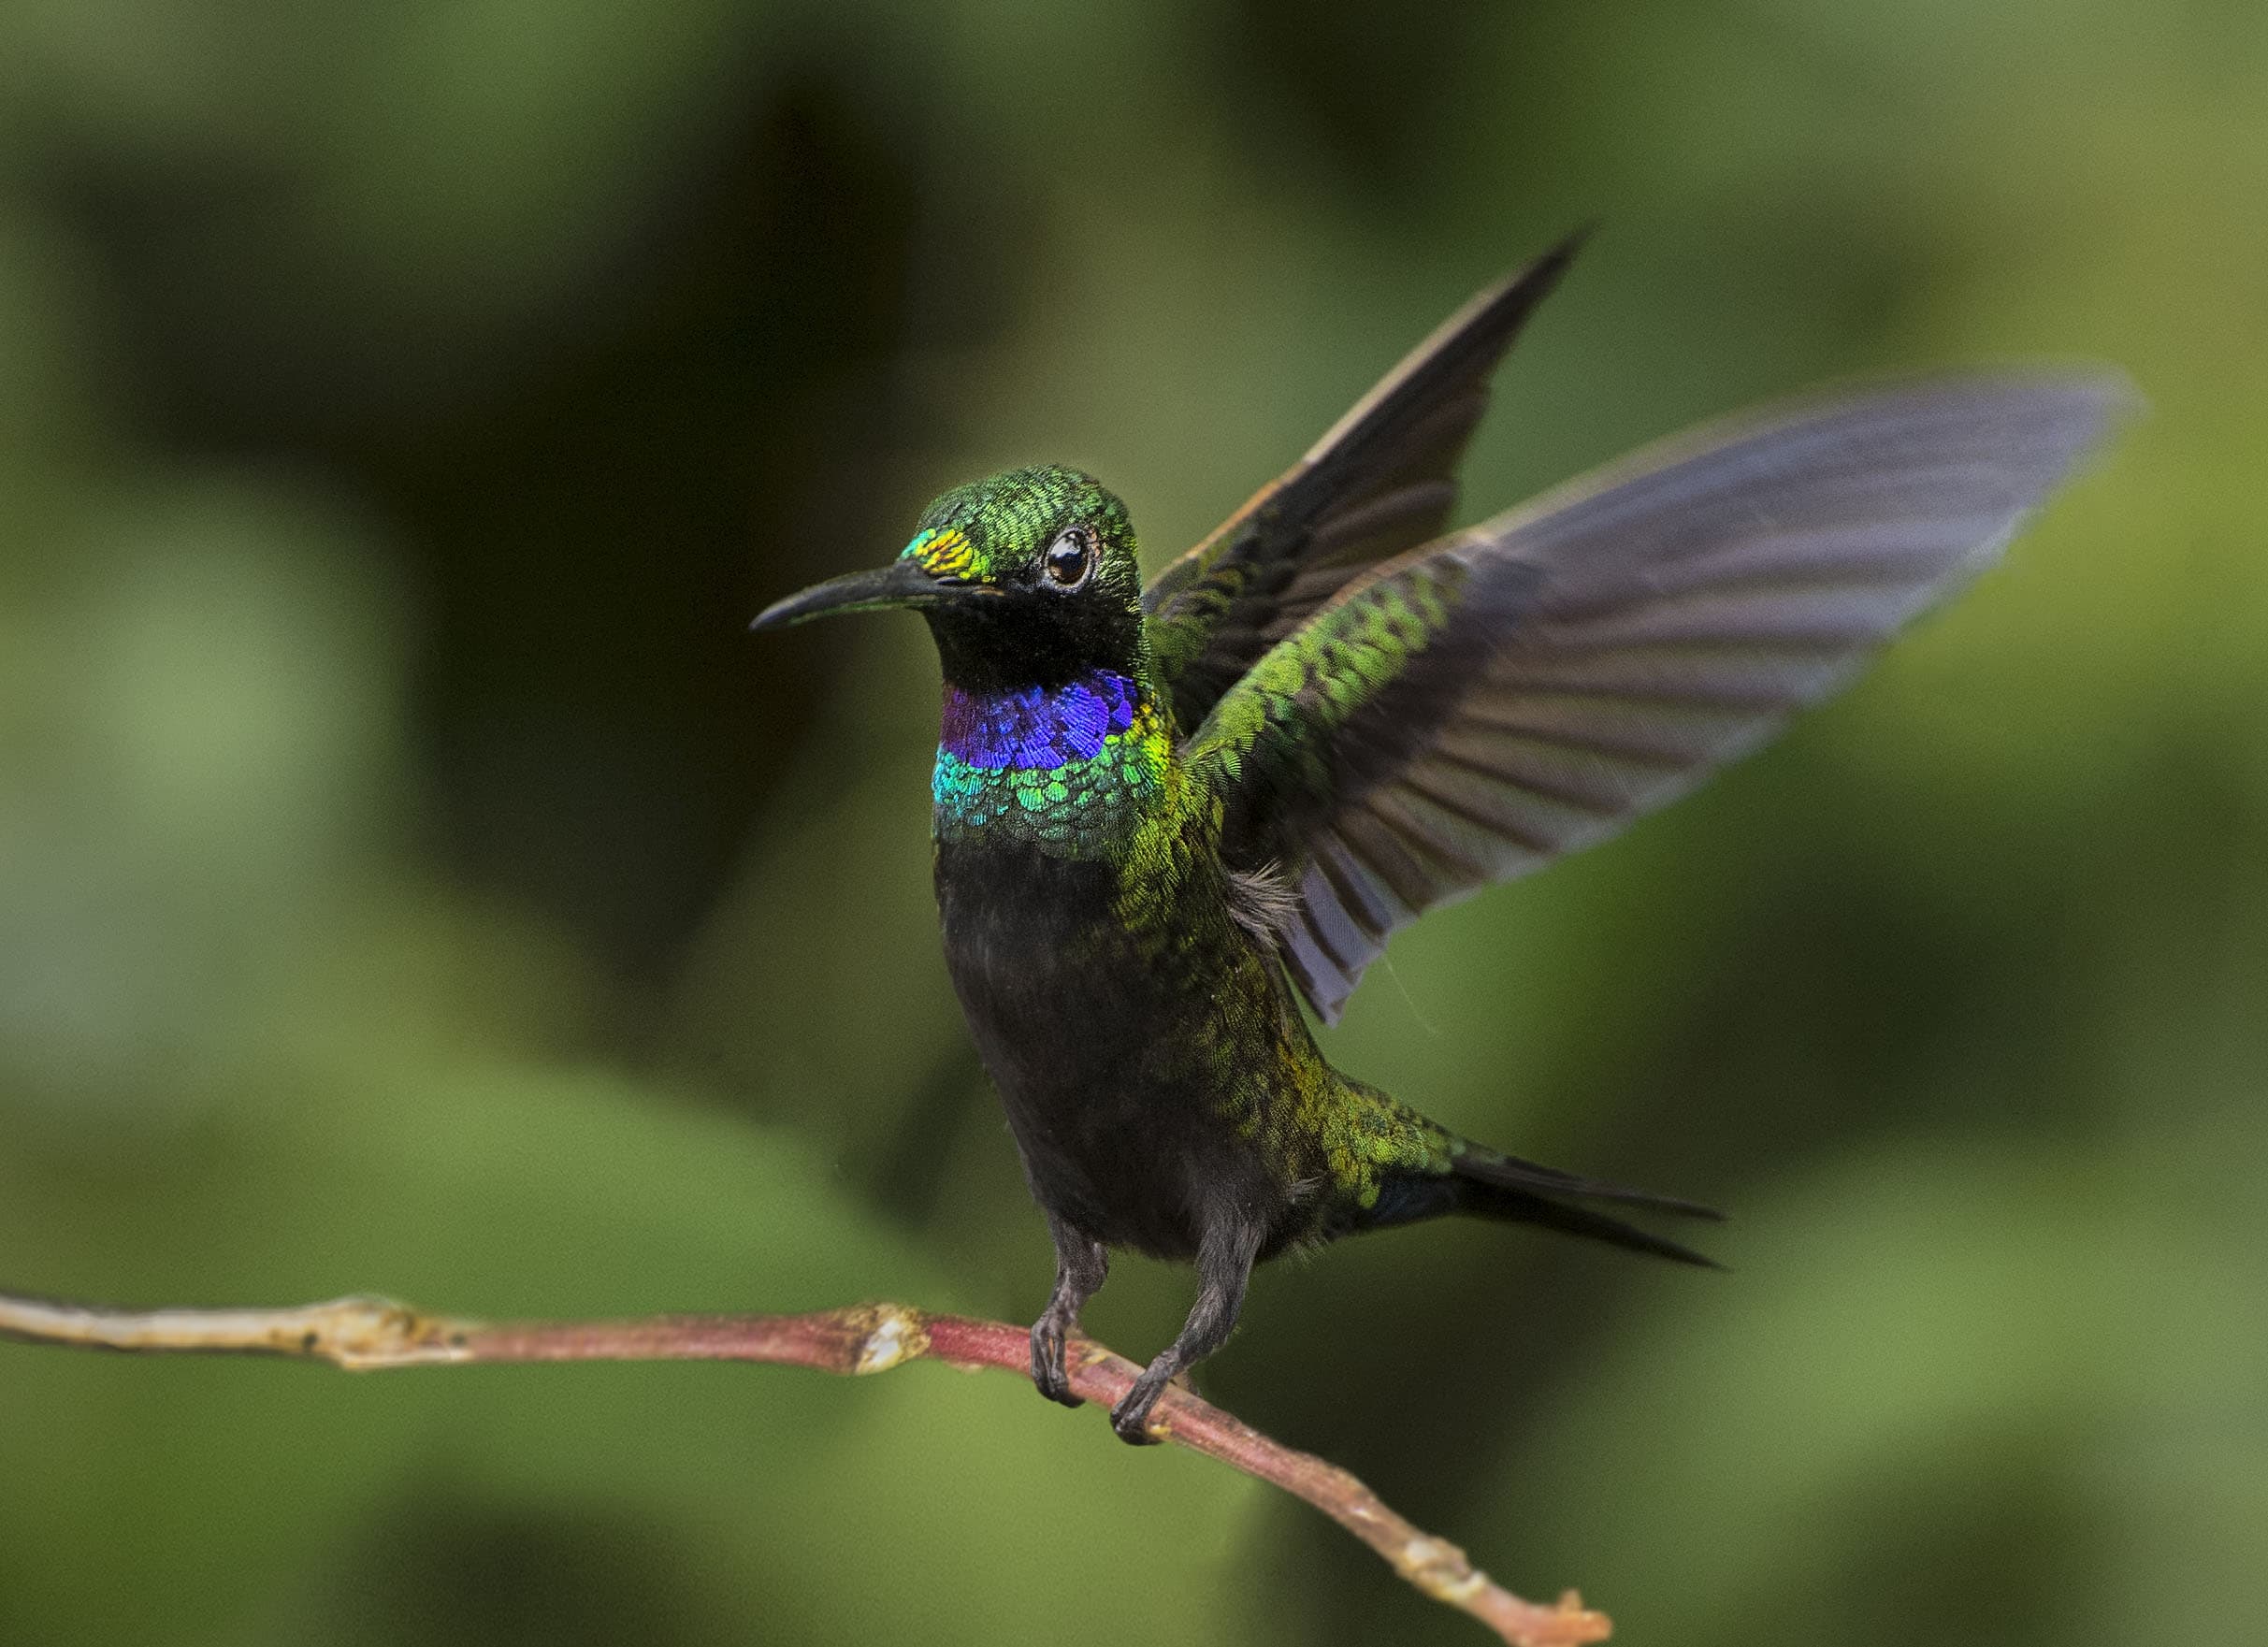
(1171,820)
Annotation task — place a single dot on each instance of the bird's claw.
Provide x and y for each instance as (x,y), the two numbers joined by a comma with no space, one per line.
(1047,1371)
(1129,1418)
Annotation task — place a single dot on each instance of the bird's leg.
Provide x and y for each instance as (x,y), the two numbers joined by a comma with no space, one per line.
(1080,1263)
(1224,1263)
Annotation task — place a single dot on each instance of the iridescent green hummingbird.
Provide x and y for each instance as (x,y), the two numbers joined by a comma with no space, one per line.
(1165,816)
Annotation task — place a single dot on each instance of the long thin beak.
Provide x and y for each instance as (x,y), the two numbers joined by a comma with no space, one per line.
(902,583)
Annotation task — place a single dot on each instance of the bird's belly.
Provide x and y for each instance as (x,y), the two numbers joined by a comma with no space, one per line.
(1089,1037)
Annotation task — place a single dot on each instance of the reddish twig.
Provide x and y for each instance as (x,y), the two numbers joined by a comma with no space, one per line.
(370,1334)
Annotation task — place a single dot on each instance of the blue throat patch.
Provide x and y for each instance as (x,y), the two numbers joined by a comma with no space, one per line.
(1069,769)
(1036,728)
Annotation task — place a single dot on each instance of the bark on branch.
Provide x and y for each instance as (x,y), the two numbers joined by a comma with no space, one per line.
(364,1334)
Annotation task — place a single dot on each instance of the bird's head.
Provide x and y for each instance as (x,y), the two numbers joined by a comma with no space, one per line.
(1026,578)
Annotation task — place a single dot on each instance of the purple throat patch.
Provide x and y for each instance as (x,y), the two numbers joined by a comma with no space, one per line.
(1037,727)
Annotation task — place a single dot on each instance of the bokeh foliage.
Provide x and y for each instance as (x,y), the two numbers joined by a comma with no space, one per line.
(410,878)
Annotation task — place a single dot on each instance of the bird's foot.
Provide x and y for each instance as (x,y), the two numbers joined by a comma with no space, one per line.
(1129,1418)
(1047,1369)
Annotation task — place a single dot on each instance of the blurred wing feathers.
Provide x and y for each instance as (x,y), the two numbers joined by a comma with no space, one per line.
(1465,711)
(1381,481)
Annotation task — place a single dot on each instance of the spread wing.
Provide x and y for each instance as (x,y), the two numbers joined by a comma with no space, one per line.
(1478,706)
(1382,481)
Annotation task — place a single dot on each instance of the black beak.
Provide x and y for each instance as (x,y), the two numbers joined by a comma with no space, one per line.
(902,583)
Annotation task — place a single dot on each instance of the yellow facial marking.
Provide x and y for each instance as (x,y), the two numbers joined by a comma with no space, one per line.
(944,553)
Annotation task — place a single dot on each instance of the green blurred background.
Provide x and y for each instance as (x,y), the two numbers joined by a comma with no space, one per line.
(413,878)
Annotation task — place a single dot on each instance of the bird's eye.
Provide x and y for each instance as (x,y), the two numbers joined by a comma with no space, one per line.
(1069,558)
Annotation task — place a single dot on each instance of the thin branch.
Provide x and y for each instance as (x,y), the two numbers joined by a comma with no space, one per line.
(370,1334)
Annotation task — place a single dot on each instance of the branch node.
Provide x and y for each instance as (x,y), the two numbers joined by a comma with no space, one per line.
(891,1335)
(363,1333)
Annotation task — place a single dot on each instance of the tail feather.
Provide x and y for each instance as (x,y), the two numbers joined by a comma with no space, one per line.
(1503,1186)
(1459,1175)
(1508,1172)
(1521,1206)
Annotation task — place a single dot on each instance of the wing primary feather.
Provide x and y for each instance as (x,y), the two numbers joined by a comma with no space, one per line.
(1374,845)
(1362,889)
(1534,781)
(1379,482)
(1425,786)
(1480,330)
(1341,939)
(1526,720)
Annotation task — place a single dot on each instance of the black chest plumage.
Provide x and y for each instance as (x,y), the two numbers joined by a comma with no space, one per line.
(1090,1041)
